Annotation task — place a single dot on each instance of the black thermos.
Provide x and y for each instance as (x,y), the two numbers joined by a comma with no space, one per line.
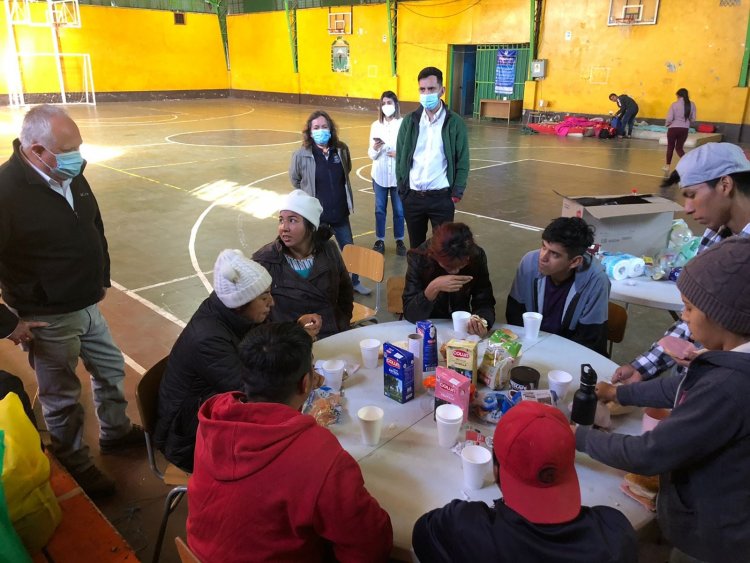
(584,401)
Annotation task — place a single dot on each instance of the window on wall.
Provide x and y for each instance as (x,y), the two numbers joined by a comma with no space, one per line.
(487,71)
(179,18)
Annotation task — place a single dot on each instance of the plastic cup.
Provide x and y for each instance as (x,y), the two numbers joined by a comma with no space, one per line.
(532,322)
(370,424)
(334,373)
(449,419)
(559,381)
(476,463)
(461,322)
(370,348)
(653,416)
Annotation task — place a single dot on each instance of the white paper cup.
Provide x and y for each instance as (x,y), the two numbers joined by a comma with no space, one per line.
(449,419)
(532,322)
(559,381)
(333,370)
(653,416)
(476,463)
(370,424)
(370,348)
(461,323)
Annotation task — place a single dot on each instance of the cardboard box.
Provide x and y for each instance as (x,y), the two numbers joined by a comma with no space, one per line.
(461,356)
(398,373)
(452,387)
(636,224)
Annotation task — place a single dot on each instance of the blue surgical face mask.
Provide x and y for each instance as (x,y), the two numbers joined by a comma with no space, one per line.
(69,164)
(429,101)
(321,136)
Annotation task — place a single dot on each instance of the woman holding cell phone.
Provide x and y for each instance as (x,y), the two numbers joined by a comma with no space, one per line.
(382,151)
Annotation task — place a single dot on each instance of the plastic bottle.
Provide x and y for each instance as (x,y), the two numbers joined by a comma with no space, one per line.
(584,401)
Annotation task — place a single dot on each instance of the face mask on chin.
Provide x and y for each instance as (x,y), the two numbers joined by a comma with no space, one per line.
(388,110)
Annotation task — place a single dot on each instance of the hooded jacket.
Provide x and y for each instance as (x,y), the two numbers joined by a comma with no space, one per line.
(700,451)
(53,259)
(475,296)
(272,485)
(203,362)
(586,309)
(327,291)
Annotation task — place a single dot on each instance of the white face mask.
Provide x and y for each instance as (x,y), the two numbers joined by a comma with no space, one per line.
(388,109)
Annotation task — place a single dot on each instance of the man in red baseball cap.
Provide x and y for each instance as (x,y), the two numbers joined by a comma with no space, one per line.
(540,517)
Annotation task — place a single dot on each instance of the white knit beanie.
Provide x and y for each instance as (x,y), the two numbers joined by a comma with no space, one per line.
(237,279)
(305,205)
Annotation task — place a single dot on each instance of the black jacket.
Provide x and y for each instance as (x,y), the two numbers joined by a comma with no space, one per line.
(53,259)
(475,296)
(626,104)
(203,363)
(469,532)
(328,291)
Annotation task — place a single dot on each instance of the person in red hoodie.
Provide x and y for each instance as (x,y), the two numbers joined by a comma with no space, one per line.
(269,484)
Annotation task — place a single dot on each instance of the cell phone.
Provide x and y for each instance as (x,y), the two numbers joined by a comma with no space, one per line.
(377,139)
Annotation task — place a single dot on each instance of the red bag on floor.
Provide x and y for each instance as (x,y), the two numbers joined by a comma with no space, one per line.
(706,128)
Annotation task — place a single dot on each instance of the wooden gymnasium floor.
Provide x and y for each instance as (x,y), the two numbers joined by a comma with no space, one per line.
(179,181)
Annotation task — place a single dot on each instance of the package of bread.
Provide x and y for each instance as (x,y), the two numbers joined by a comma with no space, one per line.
(616,409)
(641,488)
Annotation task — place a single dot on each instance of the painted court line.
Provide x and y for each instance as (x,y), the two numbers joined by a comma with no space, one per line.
(595,167)
(138,368)
(163,312)
(161,284)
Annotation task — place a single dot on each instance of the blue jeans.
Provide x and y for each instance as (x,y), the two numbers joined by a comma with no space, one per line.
(381,203)
(626,122)
(343,233)
(55,351)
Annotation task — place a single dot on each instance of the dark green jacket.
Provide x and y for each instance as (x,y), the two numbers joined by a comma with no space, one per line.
(455,145)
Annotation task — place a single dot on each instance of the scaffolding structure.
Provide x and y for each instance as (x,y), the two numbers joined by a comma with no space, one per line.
(57,14)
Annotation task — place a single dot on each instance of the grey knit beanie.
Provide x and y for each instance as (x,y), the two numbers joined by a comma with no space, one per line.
(717,282)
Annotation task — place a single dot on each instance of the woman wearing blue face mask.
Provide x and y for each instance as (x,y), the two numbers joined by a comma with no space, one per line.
(321,168)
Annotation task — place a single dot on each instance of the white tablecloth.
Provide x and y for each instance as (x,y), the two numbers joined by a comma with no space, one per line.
(647,292)
(409,474)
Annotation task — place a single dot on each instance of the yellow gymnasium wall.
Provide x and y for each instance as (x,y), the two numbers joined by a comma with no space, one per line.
(130,49)
(696,45)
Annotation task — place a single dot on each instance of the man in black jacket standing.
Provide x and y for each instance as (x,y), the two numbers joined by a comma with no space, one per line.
(54,269)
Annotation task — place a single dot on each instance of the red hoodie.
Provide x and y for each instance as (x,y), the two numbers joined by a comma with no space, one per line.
(271,485)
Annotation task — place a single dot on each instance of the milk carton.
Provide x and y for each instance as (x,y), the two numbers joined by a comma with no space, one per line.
(429,346)
(452,387)
(398,373)
(461,356)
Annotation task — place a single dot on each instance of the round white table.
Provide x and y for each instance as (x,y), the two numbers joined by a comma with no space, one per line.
(409,474)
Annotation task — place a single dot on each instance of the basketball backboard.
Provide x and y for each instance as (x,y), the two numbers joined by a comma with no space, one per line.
(633,12)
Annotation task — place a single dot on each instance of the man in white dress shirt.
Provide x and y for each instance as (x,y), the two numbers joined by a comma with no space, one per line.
(433,159)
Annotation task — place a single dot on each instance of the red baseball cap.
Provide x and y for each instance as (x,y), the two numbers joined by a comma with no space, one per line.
(536,451)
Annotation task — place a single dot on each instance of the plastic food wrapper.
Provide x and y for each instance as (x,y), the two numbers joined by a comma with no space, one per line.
(489,406)
(324,405)
(502,350)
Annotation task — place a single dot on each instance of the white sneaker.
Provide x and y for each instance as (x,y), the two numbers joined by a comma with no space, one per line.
(361,289)
(665,169)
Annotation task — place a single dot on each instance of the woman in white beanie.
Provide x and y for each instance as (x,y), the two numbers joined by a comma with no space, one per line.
(309,275)
(204,360)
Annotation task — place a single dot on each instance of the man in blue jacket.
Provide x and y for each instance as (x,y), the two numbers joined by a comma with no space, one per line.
(563,283)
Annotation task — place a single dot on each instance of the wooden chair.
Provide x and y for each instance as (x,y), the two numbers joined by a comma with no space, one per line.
(186,555)
(147,399)
(618,319)
(368,264)
(394,289)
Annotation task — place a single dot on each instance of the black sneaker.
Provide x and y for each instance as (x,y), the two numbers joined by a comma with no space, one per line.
(400,248)
(95,483)
(133,438)
(379,246)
